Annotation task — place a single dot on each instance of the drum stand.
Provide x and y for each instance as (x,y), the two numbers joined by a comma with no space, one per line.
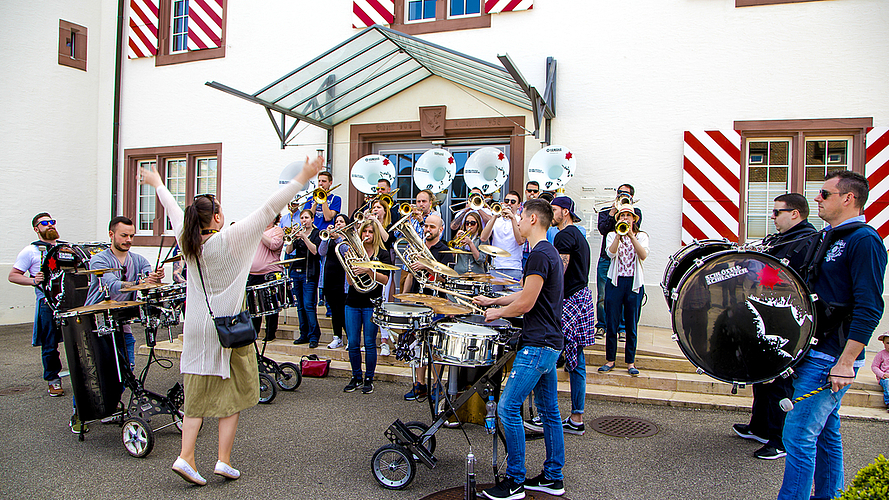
(288,376)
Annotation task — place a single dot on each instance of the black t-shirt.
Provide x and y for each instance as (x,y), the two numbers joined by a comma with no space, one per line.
(571,241)
(365,300)
(444,258)
(543,323)
(334,274)
(309,262)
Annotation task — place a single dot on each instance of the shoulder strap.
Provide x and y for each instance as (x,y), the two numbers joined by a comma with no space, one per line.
(206,297)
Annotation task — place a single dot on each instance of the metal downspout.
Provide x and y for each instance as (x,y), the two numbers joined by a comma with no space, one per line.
(115,132)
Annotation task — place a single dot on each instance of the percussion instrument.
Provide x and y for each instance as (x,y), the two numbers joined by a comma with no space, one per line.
(463,344)
(175,258)
(163,304)
(61,286)
(376,265)
(456,251)
(438,267)
(98,272)
(288,261)
(552,167)
(493,251)
(399,317)
(743,316)
(468,286)
(420,297)
(140,287)
(269,297)
(450,309)
(502,326)
(683,260)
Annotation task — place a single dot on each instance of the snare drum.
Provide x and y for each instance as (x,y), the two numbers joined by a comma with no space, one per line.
(685,259)
(401,316)
(163,304)
(268,298)
(463,344)
(743,316)
(468,286)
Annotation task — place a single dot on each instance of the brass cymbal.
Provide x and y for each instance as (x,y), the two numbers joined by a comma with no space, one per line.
(97,271)
(495,251)
(420,297)
(438,267)
(375,264)
(450,309)
(478,277)
(456,250)
(106,306)
(288,261)
(142,286)
(175,258)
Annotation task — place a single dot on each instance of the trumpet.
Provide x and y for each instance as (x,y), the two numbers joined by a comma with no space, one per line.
(406,209)
(291,232)
(459,241)
(622,228)
(477,202)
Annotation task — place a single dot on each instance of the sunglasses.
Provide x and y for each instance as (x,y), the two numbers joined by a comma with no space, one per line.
(512,202)
(50,222)
(533,191)
(211,197)
(471,223)
(825,194)
(777,211)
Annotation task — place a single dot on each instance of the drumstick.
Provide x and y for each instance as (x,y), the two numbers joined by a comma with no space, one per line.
(449,292)
(160,249)
(470,305)
(505,276)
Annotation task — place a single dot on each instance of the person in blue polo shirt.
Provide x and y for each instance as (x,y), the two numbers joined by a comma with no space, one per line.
(846,272)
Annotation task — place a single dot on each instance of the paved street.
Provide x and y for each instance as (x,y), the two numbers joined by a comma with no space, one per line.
(317,442)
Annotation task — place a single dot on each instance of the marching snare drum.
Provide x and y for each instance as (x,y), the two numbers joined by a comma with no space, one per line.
(401,316)
(685,259)
(468,286)
(163,304)
(463,344)
(268,298)
(743,316)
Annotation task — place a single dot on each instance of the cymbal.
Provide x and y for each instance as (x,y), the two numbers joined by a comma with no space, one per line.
(503,281)
(175,258)
(478,277)
(142,286)
(106,305)
(375,264)
(495,251)
(438,267)
(97,271)
(456,250)
(420,297)
(450,309)
(288,261)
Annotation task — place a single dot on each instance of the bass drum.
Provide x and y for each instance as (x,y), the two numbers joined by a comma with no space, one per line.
(62,287)
(743,317)
(684,259)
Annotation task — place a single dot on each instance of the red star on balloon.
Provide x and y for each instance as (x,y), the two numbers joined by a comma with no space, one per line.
(769,277)
(385,161)
(450,159)
(568,155)
(501,156)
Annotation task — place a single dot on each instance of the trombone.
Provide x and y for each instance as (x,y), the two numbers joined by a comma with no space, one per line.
(383,197)
(319,195)
(477,202)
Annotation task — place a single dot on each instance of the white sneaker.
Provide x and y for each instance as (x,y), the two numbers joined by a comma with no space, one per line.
(225,470)
(385,351)
(182,468)
(335,343)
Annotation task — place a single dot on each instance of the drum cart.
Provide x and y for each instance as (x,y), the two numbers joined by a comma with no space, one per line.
(287,376)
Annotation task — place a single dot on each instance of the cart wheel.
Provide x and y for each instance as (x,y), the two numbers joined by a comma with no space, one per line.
(393,467)
(138,437)
(177,419)
(288,376)
(267,389)
(420,428)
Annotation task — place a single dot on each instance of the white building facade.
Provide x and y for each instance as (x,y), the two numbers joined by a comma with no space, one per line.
(710,109)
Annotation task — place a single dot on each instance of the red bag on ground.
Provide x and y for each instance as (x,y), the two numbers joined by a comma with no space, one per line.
(311,366)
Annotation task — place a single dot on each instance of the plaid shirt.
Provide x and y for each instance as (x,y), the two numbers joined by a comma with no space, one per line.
(578,324)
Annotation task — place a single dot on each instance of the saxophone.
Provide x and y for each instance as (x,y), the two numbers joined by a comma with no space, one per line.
(354,253)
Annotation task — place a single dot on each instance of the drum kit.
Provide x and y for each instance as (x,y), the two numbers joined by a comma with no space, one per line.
(741,316)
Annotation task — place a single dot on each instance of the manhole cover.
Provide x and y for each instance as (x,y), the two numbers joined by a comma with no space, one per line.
(629,427)
(9,391)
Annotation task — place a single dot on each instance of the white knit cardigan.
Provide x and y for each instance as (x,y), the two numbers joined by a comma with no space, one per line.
(225,262)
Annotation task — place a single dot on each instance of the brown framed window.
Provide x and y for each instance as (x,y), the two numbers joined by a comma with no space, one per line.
(186,171)
(181,24)
(416,17)
(72,45)
(784,156)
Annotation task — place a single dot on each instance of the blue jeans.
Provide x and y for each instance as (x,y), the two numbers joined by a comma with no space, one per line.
(46,334)
(621,298)
(534,369)
(515,274)
(130,343)
(601,278)
(812,435)
(884,383)
(577,379)
(356,320)
(306,292)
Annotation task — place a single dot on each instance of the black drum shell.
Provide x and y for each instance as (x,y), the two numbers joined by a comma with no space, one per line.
(716,324)
(684,259)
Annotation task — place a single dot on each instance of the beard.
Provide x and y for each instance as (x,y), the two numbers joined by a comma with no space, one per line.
(120,247)
(51,234)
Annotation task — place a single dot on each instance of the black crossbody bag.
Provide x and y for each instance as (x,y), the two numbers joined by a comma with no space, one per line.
(233,331)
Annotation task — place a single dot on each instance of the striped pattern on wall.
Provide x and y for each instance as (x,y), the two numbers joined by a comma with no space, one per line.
(495,6)
(876,169)
(143,28)
(369,12)
(204,24)
(711,183)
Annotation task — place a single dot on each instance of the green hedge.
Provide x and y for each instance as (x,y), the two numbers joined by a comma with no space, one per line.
(871,482)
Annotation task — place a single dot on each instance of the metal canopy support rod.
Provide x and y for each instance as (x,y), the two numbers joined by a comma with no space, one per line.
(544,109)
(282,135)
(265,104)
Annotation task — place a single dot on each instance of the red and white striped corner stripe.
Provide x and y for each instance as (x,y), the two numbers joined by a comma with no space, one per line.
(495,6)
(876,169)
(369,12)
(204,24)
(143,29)
(711,184)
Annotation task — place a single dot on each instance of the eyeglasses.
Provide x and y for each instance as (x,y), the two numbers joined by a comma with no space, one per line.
(49,222)
(825,194)
(512,202)
(777,211)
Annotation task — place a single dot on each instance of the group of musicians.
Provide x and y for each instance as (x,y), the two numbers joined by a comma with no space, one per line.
(844,265)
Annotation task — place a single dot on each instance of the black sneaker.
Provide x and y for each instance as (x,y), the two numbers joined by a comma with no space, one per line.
(533,424)
(354,384)
(300,341)
(570,427)
(313,344)
(418,391)
(541,483)
(769,453)
(368,386)
(743,430)
(506,490)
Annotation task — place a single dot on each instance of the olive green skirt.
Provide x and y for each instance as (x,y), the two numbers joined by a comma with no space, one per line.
(212,396)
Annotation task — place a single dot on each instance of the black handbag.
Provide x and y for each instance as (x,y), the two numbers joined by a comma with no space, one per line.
(233,331)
